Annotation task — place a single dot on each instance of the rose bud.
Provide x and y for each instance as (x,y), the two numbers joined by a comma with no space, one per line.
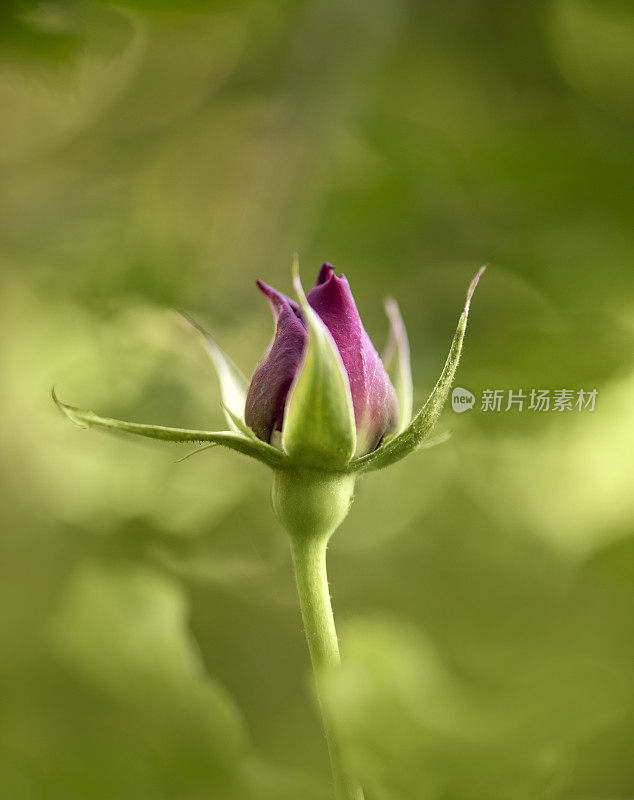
(321,398)
(320,410)
(373,396)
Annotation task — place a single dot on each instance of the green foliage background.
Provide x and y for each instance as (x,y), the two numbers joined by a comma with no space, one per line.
(157,154)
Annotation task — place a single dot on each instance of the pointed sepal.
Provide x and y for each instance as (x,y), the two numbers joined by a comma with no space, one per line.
(415,434)
(319,427)
(233,384)
(396,359)
(233,440)
(239,424)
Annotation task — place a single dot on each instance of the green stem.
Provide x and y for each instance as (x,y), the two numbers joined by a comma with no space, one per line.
(309,560)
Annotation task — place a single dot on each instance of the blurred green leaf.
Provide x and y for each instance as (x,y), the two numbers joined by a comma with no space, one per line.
(414,727)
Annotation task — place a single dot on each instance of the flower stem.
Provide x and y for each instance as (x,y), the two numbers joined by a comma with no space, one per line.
(309,560)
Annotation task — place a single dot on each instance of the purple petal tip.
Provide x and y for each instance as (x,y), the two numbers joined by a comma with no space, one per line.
(277,300)
(325,273)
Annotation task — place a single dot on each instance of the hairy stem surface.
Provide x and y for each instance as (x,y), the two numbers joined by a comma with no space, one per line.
(309,559)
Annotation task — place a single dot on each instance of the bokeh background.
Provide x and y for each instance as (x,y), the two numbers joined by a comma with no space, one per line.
(157,154)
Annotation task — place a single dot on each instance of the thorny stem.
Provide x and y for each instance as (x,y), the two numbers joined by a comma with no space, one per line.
(309,559)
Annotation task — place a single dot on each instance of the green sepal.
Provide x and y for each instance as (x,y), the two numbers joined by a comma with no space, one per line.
(233,440)
(418,430)
(233,384)
(319,427)
(239,424)
(396,360)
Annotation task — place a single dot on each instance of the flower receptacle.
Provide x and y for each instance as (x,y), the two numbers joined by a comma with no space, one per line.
(311,502)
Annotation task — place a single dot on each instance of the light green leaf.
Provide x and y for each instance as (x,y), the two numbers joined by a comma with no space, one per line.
(233,384)
(396,360)
(421,426)
(319,427)
(121,633)
(235,441)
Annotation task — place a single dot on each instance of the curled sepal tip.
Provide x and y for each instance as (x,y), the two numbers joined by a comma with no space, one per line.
(415,434)
(233,440)
(319,426)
